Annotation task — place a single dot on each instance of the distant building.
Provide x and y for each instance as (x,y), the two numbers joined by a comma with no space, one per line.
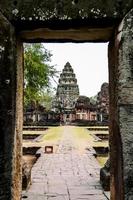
(67,94)
(68,106)
(68,103)
(85,110)
(103,103)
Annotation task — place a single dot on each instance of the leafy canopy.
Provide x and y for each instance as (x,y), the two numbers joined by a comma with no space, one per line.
(38,73)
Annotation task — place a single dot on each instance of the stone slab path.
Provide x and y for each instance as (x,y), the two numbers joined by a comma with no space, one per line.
(66,174)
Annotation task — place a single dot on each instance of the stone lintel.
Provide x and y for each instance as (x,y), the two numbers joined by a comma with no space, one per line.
(73,35)
(25,14)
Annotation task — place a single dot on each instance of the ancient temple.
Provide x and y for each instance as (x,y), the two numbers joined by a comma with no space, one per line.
(67,93)
(85,110)
(103,103)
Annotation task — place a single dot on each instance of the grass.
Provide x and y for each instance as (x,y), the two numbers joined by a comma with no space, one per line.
(52,134)
(33,132)
(81,133)
(96,126)
(101,144)
(84,134)
(82,138)
(99,132)
(102,160)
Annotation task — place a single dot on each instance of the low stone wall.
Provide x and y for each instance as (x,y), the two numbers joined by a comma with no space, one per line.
(105,176)
(35,128)
(30,156)
(89,123)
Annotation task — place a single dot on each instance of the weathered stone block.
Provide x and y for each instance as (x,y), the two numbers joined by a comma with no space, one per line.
(10,134)
(125,101)
(7,105)
(64,9)
(71,20)
(121,115)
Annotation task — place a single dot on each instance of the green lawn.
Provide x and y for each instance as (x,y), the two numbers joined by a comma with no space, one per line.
(31,132)
(102,160)
(52,134)
(82,138)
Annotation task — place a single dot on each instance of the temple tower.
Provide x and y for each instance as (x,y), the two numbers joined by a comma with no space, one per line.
(67,93)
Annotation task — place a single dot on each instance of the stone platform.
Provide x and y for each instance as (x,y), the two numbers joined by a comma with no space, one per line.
(67,174)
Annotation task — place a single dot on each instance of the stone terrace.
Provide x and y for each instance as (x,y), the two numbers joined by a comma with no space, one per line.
(67,174)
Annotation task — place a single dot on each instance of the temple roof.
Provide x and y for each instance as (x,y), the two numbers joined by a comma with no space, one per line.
(67,80)
(67,89)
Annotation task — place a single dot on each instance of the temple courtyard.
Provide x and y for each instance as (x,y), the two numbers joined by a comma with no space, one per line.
(67,168)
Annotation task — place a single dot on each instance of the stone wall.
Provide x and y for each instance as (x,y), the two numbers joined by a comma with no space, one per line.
(64,9)
(125,100)
(10,124)
(42,17)
(121,116)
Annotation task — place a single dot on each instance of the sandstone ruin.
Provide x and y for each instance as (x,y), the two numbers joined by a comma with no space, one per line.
(63,21)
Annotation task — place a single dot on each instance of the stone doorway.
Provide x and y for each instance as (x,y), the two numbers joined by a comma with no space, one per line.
(25,21)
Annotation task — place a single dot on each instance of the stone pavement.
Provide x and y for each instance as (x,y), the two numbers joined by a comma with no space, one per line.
(66,174)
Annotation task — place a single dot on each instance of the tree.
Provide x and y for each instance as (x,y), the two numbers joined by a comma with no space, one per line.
(37,73)
(46,100)
(93,99)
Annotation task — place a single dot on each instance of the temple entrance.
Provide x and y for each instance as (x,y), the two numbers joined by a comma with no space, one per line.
(77,130)
(65,21)
(66,118)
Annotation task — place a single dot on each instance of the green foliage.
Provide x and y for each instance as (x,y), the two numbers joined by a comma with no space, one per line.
(37,73)
(93,99)
(46,100)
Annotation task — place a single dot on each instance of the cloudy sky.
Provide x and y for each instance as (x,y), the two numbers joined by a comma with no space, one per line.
(89,61)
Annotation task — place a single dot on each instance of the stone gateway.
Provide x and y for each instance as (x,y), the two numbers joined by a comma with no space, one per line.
(66,21)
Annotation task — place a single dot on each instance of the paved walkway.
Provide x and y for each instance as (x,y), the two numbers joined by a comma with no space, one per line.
(67,174)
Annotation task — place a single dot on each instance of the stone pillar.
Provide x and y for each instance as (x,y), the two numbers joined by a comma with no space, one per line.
(121,110)
(101,117)
(10,113)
